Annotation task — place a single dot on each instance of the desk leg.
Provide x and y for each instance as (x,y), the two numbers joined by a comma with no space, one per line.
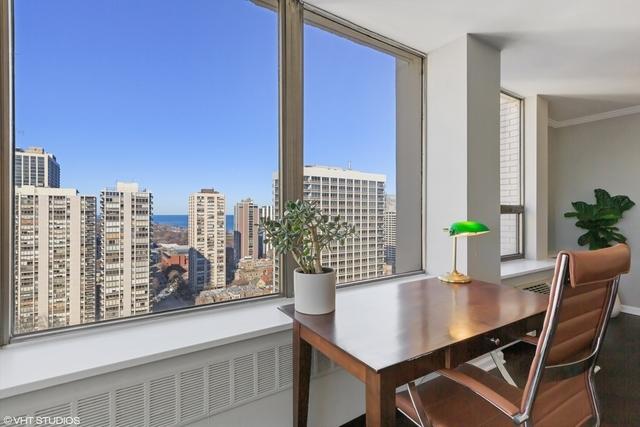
(301,377)
(381,401)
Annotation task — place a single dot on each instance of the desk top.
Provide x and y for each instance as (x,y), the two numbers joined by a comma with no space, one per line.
(392,323)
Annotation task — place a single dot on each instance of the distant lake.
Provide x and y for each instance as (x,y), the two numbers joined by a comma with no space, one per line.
(174,220)
(183,220)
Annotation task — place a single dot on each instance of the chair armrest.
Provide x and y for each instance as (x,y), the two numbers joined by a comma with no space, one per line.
(488,394)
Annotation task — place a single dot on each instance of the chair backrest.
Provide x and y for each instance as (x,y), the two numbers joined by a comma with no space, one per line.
(559,390)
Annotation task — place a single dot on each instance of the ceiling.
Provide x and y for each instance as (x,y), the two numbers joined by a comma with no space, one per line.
(584,55)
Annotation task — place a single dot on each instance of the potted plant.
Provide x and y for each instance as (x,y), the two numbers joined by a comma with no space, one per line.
(600,221)
(305,232)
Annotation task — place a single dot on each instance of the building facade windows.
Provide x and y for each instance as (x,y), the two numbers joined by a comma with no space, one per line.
(511,177)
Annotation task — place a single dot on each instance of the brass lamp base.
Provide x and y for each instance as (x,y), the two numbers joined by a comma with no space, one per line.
(455,277)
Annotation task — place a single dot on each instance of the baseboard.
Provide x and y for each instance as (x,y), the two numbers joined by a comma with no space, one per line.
(629,309)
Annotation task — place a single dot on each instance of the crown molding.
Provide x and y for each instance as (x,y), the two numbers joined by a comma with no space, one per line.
(594,117)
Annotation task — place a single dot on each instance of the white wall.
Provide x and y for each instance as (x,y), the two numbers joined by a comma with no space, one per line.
(603,154)
(463,155)
(536,177)
(162,392)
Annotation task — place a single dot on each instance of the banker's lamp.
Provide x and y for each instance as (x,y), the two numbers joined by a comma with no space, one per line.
(461,229)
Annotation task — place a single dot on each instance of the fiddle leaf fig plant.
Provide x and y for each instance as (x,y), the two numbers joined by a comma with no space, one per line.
(599,219)
(305,231)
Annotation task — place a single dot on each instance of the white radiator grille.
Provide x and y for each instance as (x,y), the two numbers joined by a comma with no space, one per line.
(93,411)
(219,386)
(266,370)
(63,411)
(162,402)
(130,406)
(285,373)
(192,394)
(243,378)
(172,399)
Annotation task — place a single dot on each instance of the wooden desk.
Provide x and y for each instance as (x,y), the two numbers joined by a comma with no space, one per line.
(390,334)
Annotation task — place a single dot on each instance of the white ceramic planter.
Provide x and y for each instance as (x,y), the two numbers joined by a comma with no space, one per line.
(315,293)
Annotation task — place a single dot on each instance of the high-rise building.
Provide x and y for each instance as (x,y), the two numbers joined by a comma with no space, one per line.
(207,255)
(125,251)
(390,232)
(55,258)
(246,223)
(34,166)
(358,197)
(265,249)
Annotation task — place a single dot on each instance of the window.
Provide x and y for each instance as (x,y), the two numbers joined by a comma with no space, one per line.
(511,182)
(146,152)
(362,118)
(164,136)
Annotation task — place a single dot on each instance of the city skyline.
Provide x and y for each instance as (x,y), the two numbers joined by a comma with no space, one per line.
(44,151)
(77,264)
(196,130)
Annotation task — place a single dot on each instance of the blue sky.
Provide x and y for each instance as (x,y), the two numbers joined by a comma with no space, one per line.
(183,95)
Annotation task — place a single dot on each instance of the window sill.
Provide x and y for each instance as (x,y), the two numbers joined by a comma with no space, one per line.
(522,267)
(86,353)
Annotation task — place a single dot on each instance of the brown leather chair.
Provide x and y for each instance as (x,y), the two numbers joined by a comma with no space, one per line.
(559,391)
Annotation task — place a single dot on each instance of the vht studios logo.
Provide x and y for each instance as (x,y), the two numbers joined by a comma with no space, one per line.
(36,421)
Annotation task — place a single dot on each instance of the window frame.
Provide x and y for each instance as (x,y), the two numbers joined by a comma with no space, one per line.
(291,16)
(341,27)
(519,208)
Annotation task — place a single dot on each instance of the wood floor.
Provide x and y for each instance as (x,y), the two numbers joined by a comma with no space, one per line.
(617,383)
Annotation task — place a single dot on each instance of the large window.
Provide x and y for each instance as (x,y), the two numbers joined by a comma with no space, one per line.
(146,138)
(362,127)
(511,197)
(147,149)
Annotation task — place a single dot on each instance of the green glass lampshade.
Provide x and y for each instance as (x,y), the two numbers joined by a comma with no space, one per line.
(467,228)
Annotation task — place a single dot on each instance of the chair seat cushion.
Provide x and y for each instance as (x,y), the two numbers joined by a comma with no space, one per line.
(449,404)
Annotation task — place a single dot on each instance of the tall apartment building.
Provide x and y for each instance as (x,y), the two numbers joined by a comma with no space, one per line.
(207,254)
(390,231)
(55,258)
(265,249)
(510,178)
(34,166)
(246,223)
(359,198)
(125,251)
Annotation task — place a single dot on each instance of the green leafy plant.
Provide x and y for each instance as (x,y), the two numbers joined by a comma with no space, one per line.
(305,231)
(599,219)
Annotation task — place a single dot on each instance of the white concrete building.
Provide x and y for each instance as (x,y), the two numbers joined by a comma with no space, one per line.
(266,213)
(34,166)
(207,257)
(359,198)
(390,231)
(55,258)
(125,250)
(510,172)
